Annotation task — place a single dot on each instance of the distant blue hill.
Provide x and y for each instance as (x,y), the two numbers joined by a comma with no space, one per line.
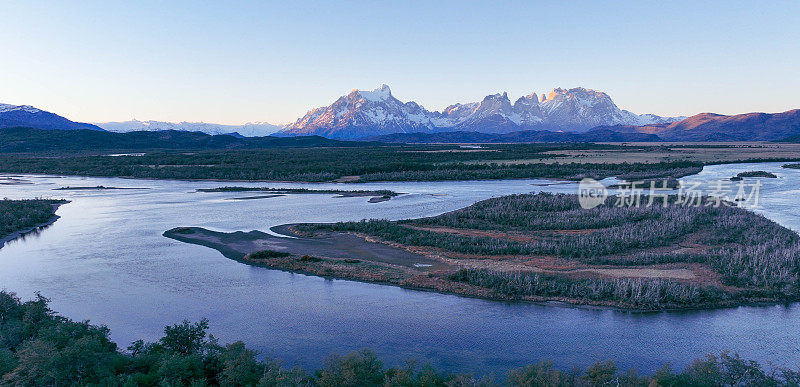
(24,140)
(31,117)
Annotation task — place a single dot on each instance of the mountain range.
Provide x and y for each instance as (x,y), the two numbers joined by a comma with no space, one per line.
(581,114)
(372,113)
(718,127)
(784,127)
(26,115)
(250,129)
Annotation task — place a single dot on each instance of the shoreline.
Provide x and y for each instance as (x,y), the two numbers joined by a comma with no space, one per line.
(21,233)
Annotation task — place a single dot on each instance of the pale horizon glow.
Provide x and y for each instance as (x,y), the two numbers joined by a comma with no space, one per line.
(238,62)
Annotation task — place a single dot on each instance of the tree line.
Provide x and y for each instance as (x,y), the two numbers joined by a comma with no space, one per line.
(369,163)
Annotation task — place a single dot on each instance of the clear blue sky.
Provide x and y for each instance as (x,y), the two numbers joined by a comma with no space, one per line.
(237,61)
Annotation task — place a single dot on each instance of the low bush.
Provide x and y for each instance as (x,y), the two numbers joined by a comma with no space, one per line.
(265,254)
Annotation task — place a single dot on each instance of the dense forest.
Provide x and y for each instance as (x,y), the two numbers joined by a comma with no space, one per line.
(18,140)
(191,155)
(399,163)
(16,215)
(744,250)
(40,348)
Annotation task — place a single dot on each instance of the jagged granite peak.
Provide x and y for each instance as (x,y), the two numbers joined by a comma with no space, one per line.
(528,110)
(378,112)
(580,109)
(363,113)
(494,114)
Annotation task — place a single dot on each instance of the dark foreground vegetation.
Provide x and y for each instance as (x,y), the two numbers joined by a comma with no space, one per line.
(375,163)
(738,256)
(40,348)
(18,215)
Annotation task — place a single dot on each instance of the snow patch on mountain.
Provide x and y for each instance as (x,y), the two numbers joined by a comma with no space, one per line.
(378,95)
(5,108)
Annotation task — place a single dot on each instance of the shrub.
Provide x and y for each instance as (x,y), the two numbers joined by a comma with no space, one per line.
(266,254)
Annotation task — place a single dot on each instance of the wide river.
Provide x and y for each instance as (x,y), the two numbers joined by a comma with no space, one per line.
(105,260)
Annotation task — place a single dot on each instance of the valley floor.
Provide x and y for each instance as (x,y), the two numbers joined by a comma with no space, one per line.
(430,162)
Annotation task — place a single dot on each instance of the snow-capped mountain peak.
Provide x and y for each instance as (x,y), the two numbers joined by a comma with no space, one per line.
(4,107)
(382,93)
(378,112)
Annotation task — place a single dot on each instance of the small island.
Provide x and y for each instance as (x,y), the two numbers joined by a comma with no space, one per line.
(376,196)
(13,180)
(545,247)
(792,166)
(769,175)
(94,188)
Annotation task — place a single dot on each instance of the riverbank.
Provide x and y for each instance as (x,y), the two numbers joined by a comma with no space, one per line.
(29,227)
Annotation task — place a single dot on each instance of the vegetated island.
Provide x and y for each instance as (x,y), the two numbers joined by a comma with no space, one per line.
(757,174)
(545,247)
(93,188)
(46,349)
(792,166)
(13,180)
(20,217)
(376,196)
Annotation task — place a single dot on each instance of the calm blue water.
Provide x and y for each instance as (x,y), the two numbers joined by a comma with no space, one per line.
(105,260)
